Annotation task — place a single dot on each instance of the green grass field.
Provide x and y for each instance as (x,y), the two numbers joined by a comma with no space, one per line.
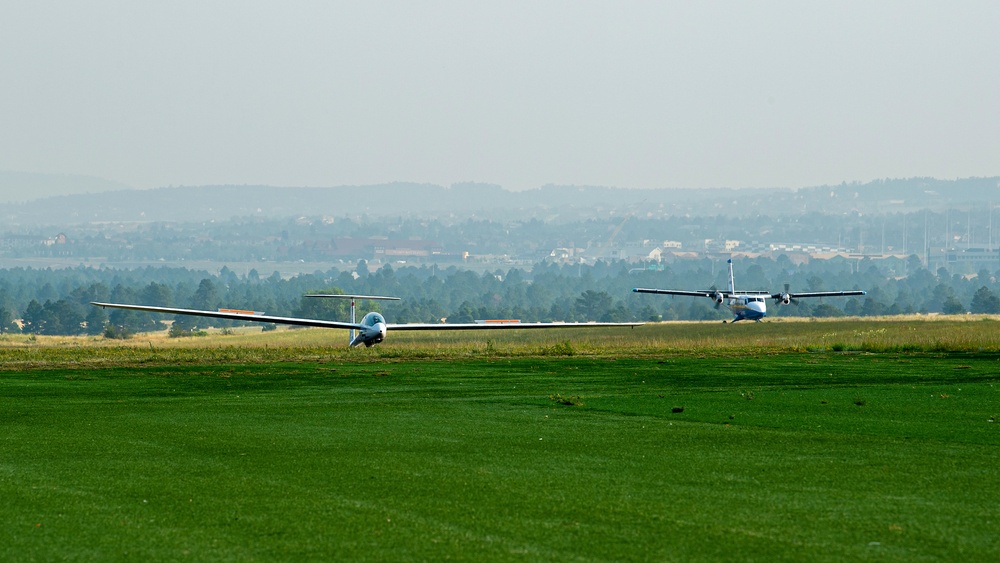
(687,441)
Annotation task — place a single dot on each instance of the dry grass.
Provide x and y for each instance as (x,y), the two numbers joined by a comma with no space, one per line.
(242,345)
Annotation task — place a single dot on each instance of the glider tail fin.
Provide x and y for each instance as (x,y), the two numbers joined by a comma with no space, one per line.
(732,282)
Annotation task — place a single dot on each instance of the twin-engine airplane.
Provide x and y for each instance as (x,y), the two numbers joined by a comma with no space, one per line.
(370,331)
(748,305)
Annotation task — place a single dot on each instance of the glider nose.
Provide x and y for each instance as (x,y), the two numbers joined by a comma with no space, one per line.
(369,336)
(375,334)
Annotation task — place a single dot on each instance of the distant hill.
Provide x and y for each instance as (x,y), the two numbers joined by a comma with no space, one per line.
(487,201)
(28,186)
(207,203)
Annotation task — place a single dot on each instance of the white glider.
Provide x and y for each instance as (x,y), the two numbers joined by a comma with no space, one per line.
(370,331)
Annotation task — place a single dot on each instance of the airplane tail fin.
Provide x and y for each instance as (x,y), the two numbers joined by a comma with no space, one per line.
(352,339)
(732,282)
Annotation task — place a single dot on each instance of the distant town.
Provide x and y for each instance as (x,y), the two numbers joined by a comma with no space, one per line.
(946,224)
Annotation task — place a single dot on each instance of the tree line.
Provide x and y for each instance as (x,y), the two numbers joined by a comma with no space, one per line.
(57,301)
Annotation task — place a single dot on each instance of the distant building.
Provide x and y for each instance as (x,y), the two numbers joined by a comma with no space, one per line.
(30,241)
(20,241)
(59,239)
(712,245)
(638,250)
(379,249)
(973,259)
(806,247)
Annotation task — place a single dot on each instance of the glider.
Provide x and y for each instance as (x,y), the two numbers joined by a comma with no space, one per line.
(370,331)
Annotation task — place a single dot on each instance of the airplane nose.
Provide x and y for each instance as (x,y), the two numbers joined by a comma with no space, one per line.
(370,336)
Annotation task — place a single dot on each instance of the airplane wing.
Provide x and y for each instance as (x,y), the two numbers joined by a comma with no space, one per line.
(241,315)
(234,314)
(498,325)
(705,293)
(818,294)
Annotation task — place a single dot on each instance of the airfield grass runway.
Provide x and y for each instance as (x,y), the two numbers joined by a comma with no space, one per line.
(681,441)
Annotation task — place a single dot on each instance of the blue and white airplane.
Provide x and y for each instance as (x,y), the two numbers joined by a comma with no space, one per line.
(747,305)
(370,331)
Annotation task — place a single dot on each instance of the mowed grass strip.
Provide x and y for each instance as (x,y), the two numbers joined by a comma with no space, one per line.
(687,456)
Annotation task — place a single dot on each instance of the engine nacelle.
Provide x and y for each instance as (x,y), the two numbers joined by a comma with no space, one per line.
(718,298)
(784,299)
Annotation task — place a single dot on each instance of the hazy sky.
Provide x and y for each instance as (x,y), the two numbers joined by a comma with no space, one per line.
(517,93)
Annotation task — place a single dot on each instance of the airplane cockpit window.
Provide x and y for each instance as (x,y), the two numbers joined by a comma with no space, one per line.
(372,319)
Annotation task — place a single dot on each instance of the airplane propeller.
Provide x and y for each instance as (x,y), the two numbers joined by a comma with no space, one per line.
(717,297)
(785,298)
